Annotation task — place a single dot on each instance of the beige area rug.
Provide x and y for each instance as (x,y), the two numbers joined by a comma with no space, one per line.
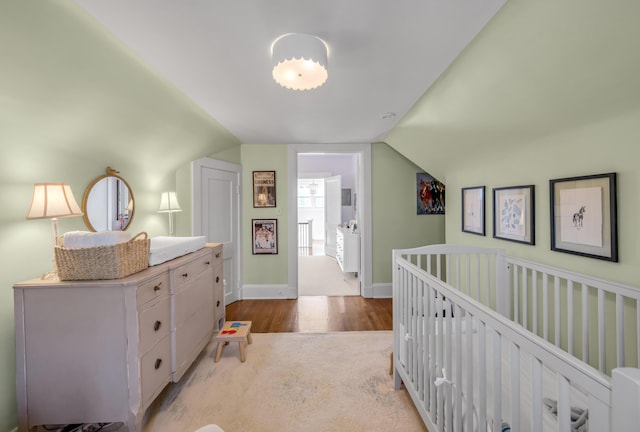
(321,276)
(302,382)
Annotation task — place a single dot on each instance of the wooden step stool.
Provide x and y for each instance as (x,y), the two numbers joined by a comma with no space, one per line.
(234,331)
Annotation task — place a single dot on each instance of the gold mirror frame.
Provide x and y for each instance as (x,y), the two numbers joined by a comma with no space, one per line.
(105,199)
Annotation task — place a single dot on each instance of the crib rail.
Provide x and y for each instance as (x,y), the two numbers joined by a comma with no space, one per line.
(595,320)
(444,346)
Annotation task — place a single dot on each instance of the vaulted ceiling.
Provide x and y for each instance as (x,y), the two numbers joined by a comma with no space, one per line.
(383,56)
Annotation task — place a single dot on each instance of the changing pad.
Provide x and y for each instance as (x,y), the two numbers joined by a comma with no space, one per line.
(167,248)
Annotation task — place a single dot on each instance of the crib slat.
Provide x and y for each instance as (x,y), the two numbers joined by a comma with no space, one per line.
(620,330)
(514,306)
(448,366)
(564,404)
(515,387)
(431,357)
(469,366)
(457,424)
(497,377)
(601,324)
(482,381)
(557,326)
(536,391)
(585,323)
(570,317)
(525,298)
(638,333)
(534,299)
(545,306)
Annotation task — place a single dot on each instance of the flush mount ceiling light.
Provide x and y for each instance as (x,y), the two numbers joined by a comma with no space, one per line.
(299,61)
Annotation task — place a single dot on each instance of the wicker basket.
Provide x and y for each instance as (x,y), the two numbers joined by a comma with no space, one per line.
(104,262)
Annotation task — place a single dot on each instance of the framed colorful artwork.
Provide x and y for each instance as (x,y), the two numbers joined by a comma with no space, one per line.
(584,216)
(473,210)
(430,195)
(513,214)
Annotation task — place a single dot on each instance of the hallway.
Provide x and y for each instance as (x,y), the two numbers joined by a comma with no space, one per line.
(320,274)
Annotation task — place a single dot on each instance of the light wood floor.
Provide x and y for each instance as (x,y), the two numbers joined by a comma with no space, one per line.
(313,314)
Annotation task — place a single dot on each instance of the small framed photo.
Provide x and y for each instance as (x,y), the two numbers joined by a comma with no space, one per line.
(264,236)
(513,214)
(473,210)
(264,189)
(584,216)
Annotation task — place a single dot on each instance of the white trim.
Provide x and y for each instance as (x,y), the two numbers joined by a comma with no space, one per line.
(266,292)
(380,290)
(364,208)
(196,208)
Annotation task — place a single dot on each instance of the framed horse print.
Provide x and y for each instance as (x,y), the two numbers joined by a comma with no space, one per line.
(584,216)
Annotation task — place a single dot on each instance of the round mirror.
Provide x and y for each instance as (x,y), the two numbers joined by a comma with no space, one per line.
(108,203)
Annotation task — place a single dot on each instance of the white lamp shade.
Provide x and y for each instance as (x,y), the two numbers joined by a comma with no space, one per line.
(169,203)
(299,61)
(53,200)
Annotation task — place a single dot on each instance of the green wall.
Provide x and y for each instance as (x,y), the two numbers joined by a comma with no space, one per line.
(72,102)
(607,146)
(264,269)
(395,222)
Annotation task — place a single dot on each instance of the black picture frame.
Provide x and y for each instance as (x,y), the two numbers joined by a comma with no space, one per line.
(473,210)
(264,189)
(584,216)
(264,236)
(514,214)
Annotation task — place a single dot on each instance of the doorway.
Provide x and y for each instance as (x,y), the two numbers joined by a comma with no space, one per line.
(359,193)
(319,212)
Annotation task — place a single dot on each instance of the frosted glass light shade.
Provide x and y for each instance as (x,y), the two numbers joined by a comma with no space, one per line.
(169,203)
(299,61)
(53,200)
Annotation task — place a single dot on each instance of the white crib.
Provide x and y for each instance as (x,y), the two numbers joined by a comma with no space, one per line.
(483,341)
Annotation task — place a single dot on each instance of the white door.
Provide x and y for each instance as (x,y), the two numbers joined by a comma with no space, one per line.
(333,212)
(217,215)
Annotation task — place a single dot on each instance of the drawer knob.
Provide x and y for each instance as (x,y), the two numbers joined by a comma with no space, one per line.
(157,325)
(218,303)
(207,263)
(158,363)
(217,279)
(218,255)
(157,287)
(185,275)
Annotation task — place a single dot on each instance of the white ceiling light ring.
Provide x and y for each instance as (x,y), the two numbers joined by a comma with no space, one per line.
(299,61)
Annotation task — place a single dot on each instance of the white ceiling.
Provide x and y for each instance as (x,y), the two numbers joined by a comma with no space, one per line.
(383,56)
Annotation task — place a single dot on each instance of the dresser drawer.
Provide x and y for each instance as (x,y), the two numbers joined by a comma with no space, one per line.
(189,301)
(183,275)
(190,339)
(153,288)
(155,323)
(155,370)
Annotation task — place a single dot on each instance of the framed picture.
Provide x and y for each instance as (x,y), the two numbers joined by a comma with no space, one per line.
(430,195)
(584,216)
(513,214)
(473,210)
(264,236)
(264,189)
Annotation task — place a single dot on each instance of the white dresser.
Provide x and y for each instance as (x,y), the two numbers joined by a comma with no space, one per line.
(347,250)
(102,351)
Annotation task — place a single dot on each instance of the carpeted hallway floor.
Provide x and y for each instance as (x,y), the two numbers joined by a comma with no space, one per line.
(320,275)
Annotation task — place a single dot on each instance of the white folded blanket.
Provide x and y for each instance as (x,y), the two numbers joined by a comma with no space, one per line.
(87,239)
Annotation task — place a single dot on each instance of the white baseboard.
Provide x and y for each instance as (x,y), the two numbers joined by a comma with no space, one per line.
(270,292)
(381,290)
(266,292)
